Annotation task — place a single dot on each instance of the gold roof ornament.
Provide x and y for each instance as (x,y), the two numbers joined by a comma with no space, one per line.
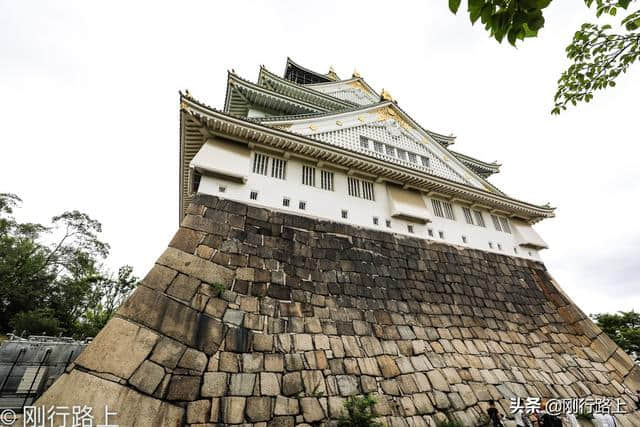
(356,74)
(385,95)
(332,74)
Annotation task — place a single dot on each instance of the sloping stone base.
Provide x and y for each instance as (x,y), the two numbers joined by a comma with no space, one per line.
(263,318)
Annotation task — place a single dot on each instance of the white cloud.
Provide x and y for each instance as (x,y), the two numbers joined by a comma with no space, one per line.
(90,117)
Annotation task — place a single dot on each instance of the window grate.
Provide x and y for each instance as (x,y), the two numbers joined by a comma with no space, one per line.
(260,164)
(375,220)
(437,208)
(308,175)
(505,225)
(222,189)
(410,228)
(448,211)
(364,143)
(302,205)
(195,181)
(390,150)
(253,195)
(496,222)
(402,155)
(278,167)
(345,214)
(367,190)
(441,234)
(425,161)
(353,186)
(388,223)
(467,215)
(326,180)
(412,157)
(464,239)
(430,232)
(378,147)
(286,202)
(479,218)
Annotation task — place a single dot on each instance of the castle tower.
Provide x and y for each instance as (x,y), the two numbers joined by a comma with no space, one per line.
(330,246)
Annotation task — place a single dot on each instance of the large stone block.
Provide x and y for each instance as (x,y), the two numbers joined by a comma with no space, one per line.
(118,349)
(194,266)
(133,408)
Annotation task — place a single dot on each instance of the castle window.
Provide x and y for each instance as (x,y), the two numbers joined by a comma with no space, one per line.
(309,175)
(479,218)
(430,232)
(402,155)
(530,253)
(437,208)
(345,214)
(425,161)
(326,180)
(278,167)
(302,205)
(499,247)
(467,215)
(260,164)
(515,250)
(390,150)
(222,189)
(412,157)
(490,245)
(410,228)
(496,222)
(253,195)
(448,210)
(378,146)
(441,234)
(464,239)
(388,222)
(367,190)
(353,185)
(364,143)
(505,225)
(286,202)
(375,220)
(195,181)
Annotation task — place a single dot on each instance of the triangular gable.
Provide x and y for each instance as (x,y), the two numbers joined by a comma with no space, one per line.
(354,90)
(385,123)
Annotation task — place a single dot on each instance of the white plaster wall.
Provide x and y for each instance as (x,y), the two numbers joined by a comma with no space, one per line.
(329,205)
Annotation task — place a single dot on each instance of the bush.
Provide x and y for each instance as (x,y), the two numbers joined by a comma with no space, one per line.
(35,322)
(359,412)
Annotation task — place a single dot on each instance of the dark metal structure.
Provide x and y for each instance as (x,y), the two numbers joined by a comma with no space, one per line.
(28,366)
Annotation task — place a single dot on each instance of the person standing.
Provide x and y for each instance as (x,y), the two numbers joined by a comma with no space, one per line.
(494,416)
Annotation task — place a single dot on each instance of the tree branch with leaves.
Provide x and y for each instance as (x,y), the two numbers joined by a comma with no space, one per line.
(599,54)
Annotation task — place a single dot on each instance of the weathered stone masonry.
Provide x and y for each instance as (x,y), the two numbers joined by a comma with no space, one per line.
(315,311)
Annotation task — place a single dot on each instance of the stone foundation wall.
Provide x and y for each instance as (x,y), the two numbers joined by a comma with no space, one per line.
(263,318)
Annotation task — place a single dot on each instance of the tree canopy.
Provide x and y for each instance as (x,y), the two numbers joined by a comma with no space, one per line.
(60,287)
(599,54)
(623,328)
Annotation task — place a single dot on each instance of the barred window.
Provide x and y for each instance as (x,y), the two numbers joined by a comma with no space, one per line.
(195,181)
(448,210)
(410,228)
(467,215)
(286,202)
(367,190)
(437,208)
(353,185)
(253,195)
(425,161)
(441,234)
(222,189)
(413,158)
(260,164)
(302,205)
(496,222)
(490,245)
(278,167)
(430,232)
(375,220)
(364,143)
(402,155)
(499,247)
(505,225)
(464,239)
(388,223)
(345,214)
(326,180)
(378,146)
(309,175)
(390,150)
(479,218)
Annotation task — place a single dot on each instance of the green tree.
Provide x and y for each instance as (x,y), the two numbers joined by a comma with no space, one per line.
(623,328)
(47,287)
(598,53)
(359,412)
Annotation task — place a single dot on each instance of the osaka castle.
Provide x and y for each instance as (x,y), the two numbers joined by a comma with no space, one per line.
(332,246)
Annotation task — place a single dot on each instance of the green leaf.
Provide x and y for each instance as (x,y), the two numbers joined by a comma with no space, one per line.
(454,5)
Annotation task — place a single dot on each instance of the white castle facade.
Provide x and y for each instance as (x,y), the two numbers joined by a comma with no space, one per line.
(313,144)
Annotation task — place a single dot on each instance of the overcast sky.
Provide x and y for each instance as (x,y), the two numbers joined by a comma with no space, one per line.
(89,113)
